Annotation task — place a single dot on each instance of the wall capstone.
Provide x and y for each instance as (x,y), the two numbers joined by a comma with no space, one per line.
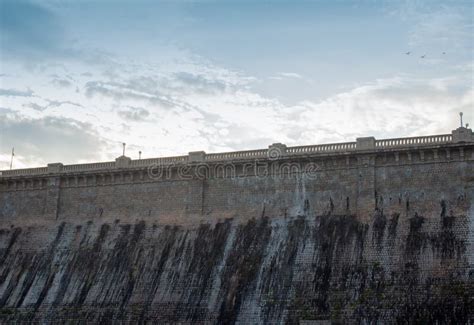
(276,150)
(463,134)
(197,156)
(122,162)
(55,168)
(365,143)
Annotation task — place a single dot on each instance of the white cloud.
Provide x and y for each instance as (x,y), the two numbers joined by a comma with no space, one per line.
(136,114)
(403,106)
(172,108)
(38,141)
(286,75)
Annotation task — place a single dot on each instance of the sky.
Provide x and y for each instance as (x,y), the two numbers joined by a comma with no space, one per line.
(78,78)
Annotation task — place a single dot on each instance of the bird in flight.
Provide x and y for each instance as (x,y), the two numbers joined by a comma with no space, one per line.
(408,53)
(423,56)
(444,53)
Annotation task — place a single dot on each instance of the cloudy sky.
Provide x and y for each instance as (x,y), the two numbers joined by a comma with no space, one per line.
(78,78)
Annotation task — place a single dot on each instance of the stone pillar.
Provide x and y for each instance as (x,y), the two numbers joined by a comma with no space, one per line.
(365,143)
(195,198)
(463,134)
(197,156)
(195,194)
(55,168)
(276,151)
(122,162)
(51,210)
(365,187)
(365,180)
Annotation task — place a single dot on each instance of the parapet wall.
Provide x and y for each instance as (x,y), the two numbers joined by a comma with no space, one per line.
(375,231)
(274,151)
(348,178)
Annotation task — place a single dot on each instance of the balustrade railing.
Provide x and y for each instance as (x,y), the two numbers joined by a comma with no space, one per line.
(333,147)
(159,161)
(249,154)
(92,166)
(262,153)
(413,141)
(25,171)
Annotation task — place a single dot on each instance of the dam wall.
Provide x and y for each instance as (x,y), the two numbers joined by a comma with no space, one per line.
(366,231)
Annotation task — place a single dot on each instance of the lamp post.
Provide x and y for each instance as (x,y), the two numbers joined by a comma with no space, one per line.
(11,160)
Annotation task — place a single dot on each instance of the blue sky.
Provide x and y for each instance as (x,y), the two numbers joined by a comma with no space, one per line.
(77,78)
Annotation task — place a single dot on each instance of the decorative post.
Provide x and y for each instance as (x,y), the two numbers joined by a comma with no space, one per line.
(122,162)
(462,134)
(55,168)
(276,151)
(196,156)
(53,191)
(365,143)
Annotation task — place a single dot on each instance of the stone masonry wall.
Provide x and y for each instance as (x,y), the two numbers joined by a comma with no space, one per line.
(377,236)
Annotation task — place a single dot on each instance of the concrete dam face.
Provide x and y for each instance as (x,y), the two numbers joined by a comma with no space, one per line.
(374,231)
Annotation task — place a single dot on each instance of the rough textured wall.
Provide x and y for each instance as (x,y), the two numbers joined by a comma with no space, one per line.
(382,242)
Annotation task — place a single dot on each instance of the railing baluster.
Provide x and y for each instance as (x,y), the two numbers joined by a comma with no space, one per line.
(333,147)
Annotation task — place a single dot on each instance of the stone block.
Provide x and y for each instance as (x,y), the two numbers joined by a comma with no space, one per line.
(197,156)
(55,168)
(276,150)
(463,134)
(122,162)
(365,143)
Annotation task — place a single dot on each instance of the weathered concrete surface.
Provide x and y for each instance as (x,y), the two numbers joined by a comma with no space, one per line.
(271,270)
(376,237)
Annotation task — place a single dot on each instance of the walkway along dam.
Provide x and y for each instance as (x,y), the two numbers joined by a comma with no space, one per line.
(366,231)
